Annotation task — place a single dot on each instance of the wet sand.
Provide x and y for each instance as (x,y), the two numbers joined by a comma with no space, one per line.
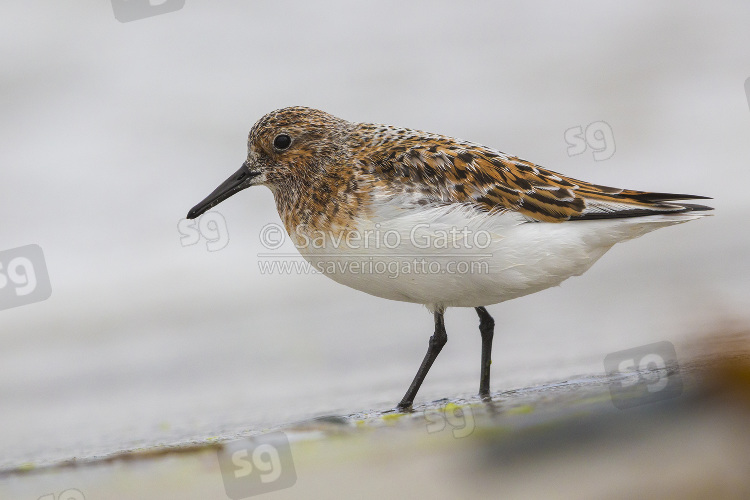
(562,439)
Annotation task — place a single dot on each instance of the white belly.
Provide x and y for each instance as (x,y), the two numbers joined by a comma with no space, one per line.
(457,257)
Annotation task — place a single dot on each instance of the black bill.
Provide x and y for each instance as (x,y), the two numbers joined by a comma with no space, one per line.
(240,180)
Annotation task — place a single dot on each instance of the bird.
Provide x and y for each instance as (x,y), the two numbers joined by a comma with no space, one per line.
(353,195)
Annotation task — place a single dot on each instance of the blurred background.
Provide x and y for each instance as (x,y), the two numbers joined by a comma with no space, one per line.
(111,131)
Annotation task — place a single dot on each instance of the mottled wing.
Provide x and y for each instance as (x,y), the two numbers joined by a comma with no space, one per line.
(438,169)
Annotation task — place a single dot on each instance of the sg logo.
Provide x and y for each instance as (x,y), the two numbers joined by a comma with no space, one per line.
(598,136)
(23,277)
(258,465)
(459,419)
(643,375)
(210,225)
(71,494)
(132,10)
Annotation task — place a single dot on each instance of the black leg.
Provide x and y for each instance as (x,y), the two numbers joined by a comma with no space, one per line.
(437,341)
(487,329)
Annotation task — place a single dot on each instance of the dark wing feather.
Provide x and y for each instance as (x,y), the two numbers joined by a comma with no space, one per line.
(445,170)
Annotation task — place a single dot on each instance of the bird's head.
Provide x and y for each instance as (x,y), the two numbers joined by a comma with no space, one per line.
(285,148)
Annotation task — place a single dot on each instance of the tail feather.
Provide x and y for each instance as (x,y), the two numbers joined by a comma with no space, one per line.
(692,207)
(641,204)
(647,197)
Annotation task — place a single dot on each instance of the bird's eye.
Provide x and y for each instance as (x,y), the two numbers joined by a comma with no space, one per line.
(282,141)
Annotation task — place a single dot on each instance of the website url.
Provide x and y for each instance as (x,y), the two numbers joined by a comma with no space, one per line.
(371,266)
